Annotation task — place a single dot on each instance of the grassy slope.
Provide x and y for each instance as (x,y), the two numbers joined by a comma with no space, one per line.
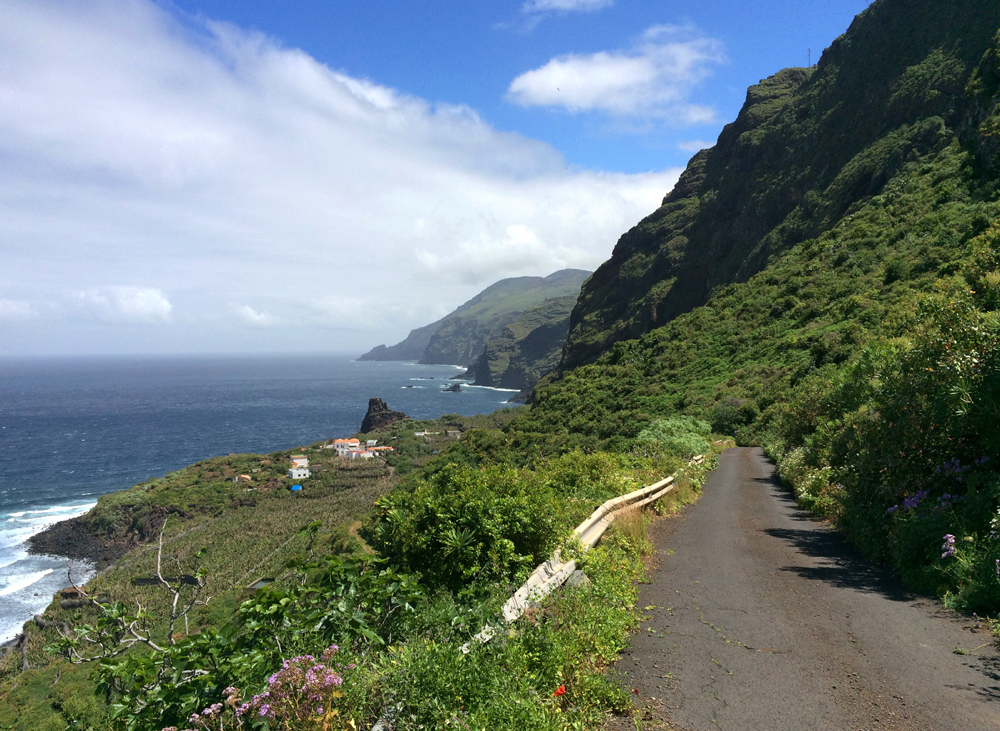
(812,308)
(463,334)
(250,530)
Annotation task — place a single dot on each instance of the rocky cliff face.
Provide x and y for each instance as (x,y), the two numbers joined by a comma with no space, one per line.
(380,416)
(527,348)
(808,147)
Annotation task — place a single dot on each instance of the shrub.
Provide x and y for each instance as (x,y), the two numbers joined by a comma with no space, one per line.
(465,525)
(683,436)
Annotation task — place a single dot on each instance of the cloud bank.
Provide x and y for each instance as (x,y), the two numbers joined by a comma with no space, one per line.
(544,6)
(652,80)
(155,169)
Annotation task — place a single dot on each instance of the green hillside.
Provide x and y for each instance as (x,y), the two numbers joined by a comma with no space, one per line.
(459,338)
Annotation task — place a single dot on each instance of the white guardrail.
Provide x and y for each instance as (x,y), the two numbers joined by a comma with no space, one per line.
(553,573)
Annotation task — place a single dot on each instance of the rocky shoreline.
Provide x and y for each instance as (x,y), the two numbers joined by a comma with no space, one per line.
(74,540)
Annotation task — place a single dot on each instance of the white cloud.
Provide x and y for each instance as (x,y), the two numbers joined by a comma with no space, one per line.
(126,305)
(694,145)
(587,6)
(206,162)
(654,79)
(15,309)
(255,318)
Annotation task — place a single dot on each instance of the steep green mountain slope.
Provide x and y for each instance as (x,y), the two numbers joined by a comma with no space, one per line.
(459,338)
(527,348)
(808,148)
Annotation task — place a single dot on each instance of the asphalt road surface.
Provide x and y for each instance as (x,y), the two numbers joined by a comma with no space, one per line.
(760,618)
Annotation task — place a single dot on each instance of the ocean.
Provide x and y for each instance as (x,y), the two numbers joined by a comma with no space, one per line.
(72,429)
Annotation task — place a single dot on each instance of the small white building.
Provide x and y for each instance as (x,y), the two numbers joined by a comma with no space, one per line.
(360,454)
(299,460)
(343,446)
(298,473)
(371,443)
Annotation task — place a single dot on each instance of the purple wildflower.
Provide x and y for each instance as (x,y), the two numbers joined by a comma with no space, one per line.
(303,688)
(913,501)
(948,546)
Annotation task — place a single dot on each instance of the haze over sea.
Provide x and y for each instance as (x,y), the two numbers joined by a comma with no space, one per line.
(72,429)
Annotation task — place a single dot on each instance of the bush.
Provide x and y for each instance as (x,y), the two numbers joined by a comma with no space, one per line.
(909,429)
(464,525)
(683,436)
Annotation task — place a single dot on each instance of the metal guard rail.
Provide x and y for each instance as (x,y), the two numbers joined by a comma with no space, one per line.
(553,573)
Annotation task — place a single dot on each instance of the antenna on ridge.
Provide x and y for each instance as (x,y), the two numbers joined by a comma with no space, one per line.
(810,58)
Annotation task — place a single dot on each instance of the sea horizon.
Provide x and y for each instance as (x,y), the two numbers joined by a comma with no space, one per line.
(75,427)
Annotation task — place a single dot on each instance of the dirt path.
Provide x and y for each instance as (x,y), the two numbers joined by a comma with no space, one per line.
(761,618)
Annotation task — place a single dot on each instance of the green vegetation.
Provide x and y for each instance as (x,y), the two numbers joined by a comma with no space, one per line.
(493,523)
(901,450)
(460,337)
(825,282)
(248,530)
(862,352)
(809,151)
(397,620)
(527,348)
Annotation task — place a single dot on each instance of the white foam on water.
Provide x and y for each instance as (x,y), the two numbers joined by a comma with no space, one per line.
(492,388)
(20,526)
(23,582)
(5,562)
(23,576)
(57,509)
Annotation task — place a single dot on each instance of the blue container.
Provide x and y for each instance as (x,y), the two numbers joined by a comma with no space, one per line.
(296,487)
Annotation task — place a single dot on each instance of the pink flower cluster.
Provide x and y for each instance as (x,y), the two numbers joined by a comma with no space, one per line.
(210,717)
(303,689)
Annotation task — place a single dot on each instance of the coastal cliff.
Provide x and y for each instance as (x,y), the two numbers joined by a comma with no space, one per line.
(460,337)
(527,348)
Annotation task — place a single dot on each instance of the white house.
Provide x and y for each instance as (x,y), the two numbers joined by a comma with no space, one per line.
(343,446)
(299,460)
(298,473)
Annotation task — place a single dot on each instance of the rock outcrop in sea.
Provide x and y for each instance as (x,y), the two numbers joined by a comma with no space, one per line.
(380,416)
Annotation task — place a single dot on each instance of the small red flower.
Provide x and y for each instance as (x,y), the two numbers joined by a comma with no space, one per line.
(636,691)
(559,691)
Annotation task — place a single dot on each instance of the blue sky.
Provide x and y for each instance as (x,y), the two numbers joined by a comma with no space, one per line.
(464,52)
(206,176)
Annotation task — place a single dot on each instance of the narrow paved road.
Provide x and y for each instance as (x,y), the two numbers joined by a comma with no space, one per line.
(761,618)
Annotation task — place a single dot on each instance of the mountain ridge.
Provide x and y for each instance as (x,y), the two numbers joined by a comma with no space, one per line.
(460,337)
